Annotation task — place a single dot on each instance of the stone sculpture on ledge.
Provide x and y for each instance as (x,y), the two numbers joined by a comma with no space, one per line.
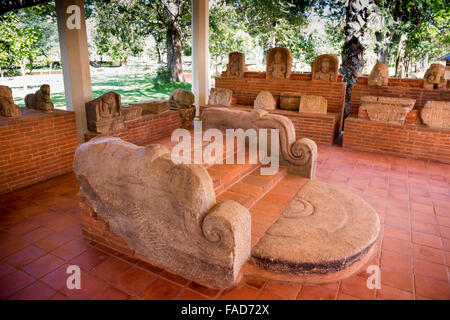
(379,76)
(183,101)
(279,63)
(436,114)
(7,106)
(265,100)
(40,100)
(313,104)
(434,77)
(236,64)
(220,97)
(104,114)
(388,109)
(325,67)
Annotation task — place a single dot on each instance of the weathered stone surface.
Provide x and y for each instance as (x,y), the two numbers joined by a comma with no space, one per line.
(40,100)
(104,114)
(7,106)
(131,112)
(265,100)
(322,230)
(313,104)
(279,63)
(379,76)
(236,64)
(299,155)
(434,77)
(166,212)
(290,100)
(325,67)
(152,106)
(187,116)
(181,99)
(436,114)
(220,97)
(386,108)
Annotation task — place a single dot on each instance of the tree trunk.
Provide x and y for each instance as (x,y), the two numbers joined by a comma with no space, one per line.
(174,52)
(158,52)
(358,12)
(399,62)
(383,45)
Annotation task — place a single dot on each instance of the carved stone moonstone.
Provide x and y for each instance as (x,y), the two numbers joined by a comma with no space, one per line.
(265,100)
(40,100)
(153,106)
(290,100)
(379,75)
(279,63)
(325,67)
(436,114)
(220,97)
(104,114)
(386,108)
(313,104)
(7,106)
(181,99)
(236,64)
(434,77)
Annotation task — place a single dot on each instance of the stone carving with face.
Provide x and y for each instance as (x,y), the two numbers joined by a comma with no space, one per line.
(434,77)
(110,105)
(236,64)
(379,75)
(279,62)
(40,100)
(7,106)
(325,67)
(104,114)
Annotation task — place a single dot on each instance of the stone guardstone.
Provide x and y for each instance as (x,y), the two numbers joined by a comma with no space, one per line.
(104,114)
(7,106)
(388,109)
(236,64)
(313,104)
(40,100)
(325,67)
(265,100)
(290,100)
(220,97)
(379,76)
(152,106)
(436,114)
(323,229)
(279,63)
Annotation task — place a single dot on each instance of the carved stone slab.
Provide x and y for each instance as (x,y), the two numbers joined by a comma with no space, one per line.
(104,114)
(220,97)
(265,100)
(379,76)
(290,100)
(279,63)
(7,106)
(131,112)
(40,100)
(236,64)
(436,114)
(313,104)
(387,109)
(325,67)
(434,77)
(152,106)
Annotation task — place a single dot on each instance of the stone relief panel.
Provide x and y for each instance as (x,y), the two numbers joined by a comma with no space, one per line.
(325,67)
(236,64)
(313,104)
(104,114)
(220,97)
(387,109)
(279,63)
(436,114)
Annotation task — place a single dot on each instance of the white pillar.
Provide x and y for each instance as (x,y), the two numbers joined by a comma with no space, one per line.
(200,51)
(75,59)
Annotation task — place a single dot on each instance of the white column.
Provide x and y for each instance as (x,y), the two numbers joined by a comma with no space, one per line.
(75,59)
(200,51)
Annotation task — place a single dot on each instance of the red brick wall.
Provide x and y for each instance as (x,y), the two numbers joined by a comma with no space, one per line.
(398,88)
(35,147)
(410,141)
(147,128)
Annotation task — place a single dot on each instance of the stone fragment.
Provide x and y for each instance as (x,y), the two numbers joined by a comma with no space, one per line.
(379,76)
(181,99)
(279,63)
(152,106)
(325,67)
(166,212)
(434,77)
(290,100)
(436,114)
(388,109)
(7,106)
(187,116)
(313,104)
(40,100)
(220,97)
(104,114)
(265,100)
(131,112)
(236,64)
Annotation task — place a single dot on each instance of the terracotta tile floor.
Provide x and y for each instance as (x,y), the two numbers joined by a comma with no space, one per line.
(40,236)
